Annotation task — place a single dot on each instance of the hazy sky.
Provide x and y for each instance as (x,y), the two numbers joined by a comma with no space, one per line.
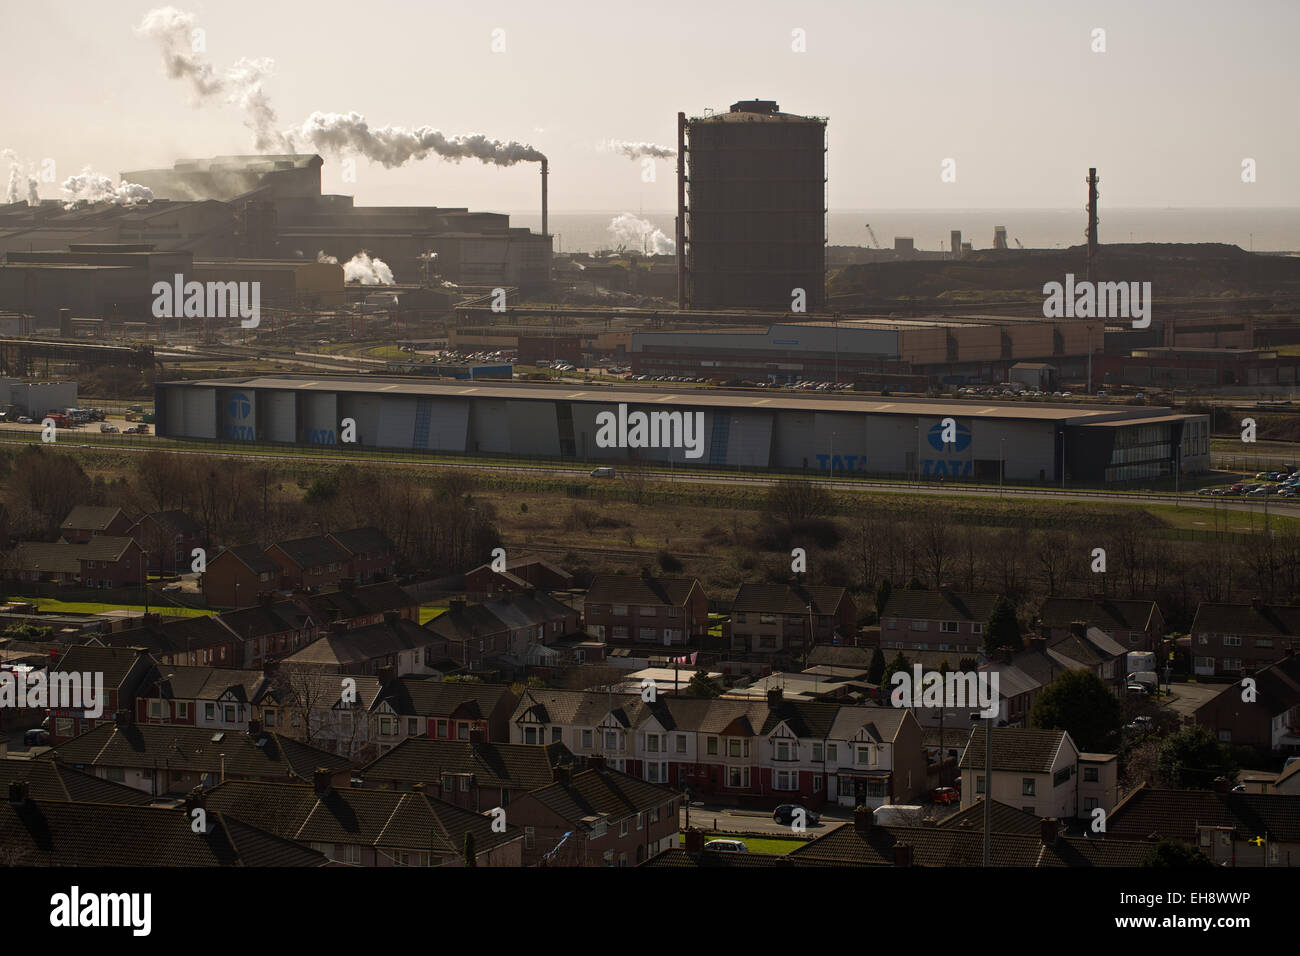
(1011,90)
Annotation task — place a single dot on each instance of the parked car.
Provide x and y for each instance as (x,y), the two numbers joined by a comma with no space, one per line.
(784,814)
(24,420)
(727,846)
(171,588)
(107,428)
(945,795)
(1140,724)
(1134,688)
(602,473)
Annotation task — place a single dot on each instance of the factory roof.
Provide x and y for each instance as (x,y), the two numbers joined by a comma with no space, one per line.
(1074,414)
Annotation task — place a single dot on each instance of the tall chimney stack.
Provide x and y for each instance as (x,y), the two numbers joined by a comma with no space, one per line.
(1092,223)
(546,168)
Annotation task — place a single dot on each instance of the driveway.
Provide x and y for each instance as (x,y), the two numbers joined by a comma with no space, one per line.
(1187,697)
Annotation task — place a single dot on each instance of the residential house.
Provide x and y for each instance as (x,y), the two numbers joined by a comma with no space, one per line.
(269,630)
(313,562)
(103,561)
(596,817)
(472,774)
(162,759)
(395,648)
(339,714)
(1232,829)
(367,827)
(939,620)
(1269,720)
(1040,771)
(168,538)
(88,521)
(782,622)
(626,609)
(126,671)
(872,756)
(180,640)
(370,555)
(452,710)
(519,574)
(1137,625)
(358,606)
(1235,640)
(237,577)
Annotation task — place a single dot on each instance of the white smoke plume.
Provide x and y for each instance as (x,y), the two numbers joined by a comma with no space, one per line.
(20,180)
(321,132)
(88,187)
(241,84)
(361,268)
(632,232)
(637,150)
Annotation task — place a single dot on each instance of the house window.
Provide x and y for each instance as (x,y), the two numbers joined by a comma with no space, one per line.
(555,734)
(864,756)
(230,713)
(441,728)
(681,743)
(620,610)
(979,784)
(832,753)
(1090,775)
(1061,776)
(530,837)
(783,750)
(1225,736)
(738,777)
(464,783)
(1027,787)
(1232,663)
(462,731)
(156,709)
(785,780)
(711,746)
(652,743)
(209,711)
(1231,640)
(920,625)
(586,740)
(412,726)
(948,627)
(818,754)
(977,628)
(767,619)
(530,735)
(623,827)
(891,624)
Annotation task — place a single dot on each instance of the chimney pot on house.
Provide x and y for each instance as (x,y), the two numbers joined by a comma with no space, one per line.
(122,718)
(418,786)
(196,799)
(1079,628)
(774,696)
(563,775)
(863,820)
(694,841)
(265,598)
(19,793)
(391,618)
(320,781)
(270,667)
(1038,644)
(477,736)
(902,854)
(1220,785)
(456,604)
(1049,828)
(596,762)
(338,627)
(254,727)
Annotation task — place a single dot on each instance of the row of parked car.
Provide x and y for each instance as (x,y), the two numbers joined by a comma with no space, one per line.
(1284,484)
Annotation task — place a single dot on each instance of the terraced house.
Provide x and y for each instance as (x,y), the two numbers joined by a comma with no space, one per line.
(623,609)
(935,621)
(1235,640)
(761,750)
(778,623)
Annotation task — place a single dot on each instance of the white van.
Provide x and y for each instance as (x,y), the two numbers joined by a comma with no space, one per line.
(602,473)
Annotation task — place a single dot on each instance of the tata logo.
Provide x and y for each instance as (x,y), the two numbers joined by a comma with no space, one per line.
(960,433)
(239,406)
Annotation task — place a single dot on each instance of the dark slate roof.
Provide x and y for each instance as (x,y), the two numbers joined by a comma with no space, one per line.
(803,718)
(411,696)
(471,622)
(604,791)
(784,599)
(90,518)
(1014,749)
(356,602)
(638,590)
(179,522)
(1270,620)
(881,722)
(193,749)
(407,820)
(942,846)
(362,541)
(1107,613)
(678,858)
(194,682)
(312,552)
(514,766)
(1006,819)
(939,606)
(115,663)
(174,635)
(1175,814)
(64,557)
(360,644)
(264,620)
(51,781)
(842,656)
(53,833)
(253,557)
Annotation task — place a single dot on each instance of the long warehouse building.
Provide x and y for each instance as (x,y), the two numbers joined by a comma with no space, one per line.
(901,437)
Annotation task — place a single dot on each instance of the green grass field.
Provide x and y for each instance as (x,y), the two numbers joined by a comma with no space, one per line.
(55,606)
(769,846)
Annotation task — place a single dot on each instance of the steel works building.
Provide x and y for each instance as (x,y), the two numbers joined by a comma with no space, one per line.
(839,434)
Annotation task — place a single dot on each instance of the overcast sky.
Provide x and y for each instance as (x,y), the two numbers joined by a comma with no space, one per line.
(1011,90)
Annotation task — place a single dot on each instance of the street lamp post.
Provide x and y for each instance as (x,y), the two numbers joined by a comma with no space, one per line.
(1002,463)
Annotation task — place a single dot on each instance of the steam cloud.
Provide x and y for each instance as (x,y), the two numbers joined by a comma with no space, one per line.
(361,268)
(88,187)
(637,150)
(321,132)
(17,175)
(628,230)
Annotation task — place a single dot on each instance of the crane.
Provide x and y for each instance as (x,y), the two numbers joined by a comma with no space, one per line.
(1019,243)
(875,243)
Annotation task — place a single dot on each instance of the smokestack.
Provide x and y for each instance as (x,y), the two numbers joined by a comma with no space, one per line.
(1092,223)
(546,168)
(681,210)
